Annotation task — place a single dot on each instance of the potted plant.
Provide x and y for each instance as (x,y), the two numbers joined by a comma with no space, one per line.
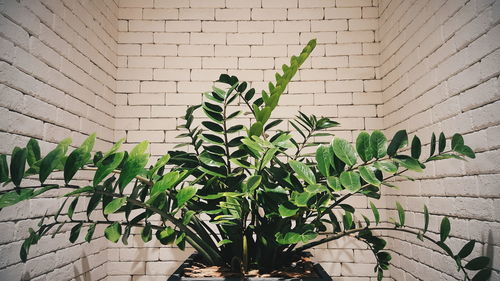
(265,199)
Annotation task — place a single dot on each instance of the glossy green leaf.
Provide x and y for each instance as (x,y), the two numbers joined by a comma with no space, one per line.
(287,211)
(106,166)
(399,140)
(302,171)
(113,232)
(224,242)
(159,164)
(368,175)
(351,181)
(378,144)
(253,182)
(4,168)
(115,205)
(401,214)
(50,162)
(234,129)
(249,95)
(324,160)
(457,140)
(466,249)
(433,144)
(334,183)
(165,183)
(465,150)
(17,165)
(75,232)
(147,233)
(273,124)
(72,207)
(347,220)
(185,194)
(477,263)
(256,129)
(441,142)
(134,165)
(344,151)
(376,213)
(90,233)
(186,218)
(94,201)
(78,158)
(416,147)
(212,107)
(214,127)
(13,197)
(363,146)
(211,160)
(409,163)
(444,229)
(213,139)
(33,152)
(216,117)
(426,218)
(482,275)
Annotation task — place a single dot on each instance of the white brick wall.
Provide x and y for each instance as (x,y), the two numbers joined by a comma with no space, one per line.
(58,63)
(431,57)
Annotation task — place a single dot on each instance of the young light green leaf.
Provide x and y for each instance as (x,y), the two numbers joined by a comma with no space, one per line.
(186,218)
(399,140)
(378,144)
(368,175)
(256,129)
(351,181)
(17,165)
(444,229)
(224,242)
(324,160)
(113,232)
(303,171)
(106,166)
(334,183)
(287,211)
(159,164)
(137,159)
(344,151)
(78,158)
(376,214)
(416,147)
(401,214)
(115,205)
(185,194)
(363,146)
(165,183)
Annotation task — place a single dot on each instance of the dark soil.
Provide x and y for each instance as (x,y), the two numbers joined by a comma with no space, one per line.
(301,267)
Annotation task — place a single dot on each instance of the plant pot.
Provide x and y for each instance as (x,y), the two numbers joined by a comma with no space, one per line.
(177,275)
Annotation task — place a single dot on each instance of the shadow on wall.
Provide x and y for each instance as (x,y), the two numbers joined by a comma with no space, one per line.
(85,267)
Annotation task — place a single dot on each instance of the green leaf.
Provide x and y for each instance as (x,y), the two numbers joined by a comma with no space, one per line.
(216,117)
(302,171)
(399,140)
(368,175)
(401,214)
(465,150)
(376,214)
(75,232)
(134,165)
(159,164)
(416,147)
(477,263)
(466,249)
(363,146)
(287,211)
(378,144)
(272,124)
(78,158)
(213,126)
(482,275)
(351,181)
(234,129)
(445,228)
(72,207)
(344,151)
(211,160)
(457,140)
(212,107)
(213,139)
(13,197)
(324,160)
(426,218)
(33,150)
(186,219)
(409,163)
(224,242)
(441,142)
(334,183)
(93,202)
(147,233)
(185,194)
(113,232)
(165,183)
(17,165)
(252,183)
(347,220)
(433,144)
(4,168)
(78,191)
(90,232)
(115,205)
(256,129)
(106,166)
(50,162)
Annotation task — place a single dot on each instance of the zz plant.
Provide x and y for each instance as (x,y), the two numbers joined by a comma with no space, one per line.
(263,199)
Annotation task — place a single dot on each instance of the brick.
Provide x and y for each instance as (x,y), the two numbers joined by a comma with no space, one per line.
(359,61)
(15,33)
(157,124)
(182,62)
(132,111)
(343,49)
(136,3)
(219,26)
(171,38)
(161,268)
(185,99)
(268,51)
(135,37)
(232,14)
(208,38)
(370,12)
(146,62)
(196,50)
(183,26)
(329,62)
(342,13)
(146,99)
(157,87)
(160,14)
(158,50)
(279,4)
(171,3)
(232,51)
(256,63)
(146,25)
(321,37)
(138,136)
(305,14)
(306,87)
(205,74)
(255,26)
(171,74)
(344,86)
(352,3)
(355,36)
(316,3)
(355,73)
(269,14)
(328,25)
(127,124)
(168,111)
(222,63)
(192,87)
(134,74)
(281,38)
(243,3)
(196,14)
(291,26)
(318,74)
(129,49)
(244,39)
(207,4)
(332,99)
